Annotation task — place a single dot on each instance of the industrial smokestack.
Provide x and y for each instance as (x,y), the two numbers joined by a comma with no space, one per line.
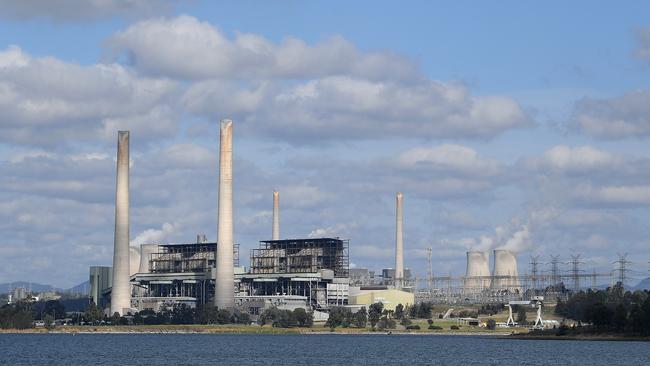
(146,250)
(224,294)
(477,274)
(121,291)
(399,245)
(505,274)
(276,216)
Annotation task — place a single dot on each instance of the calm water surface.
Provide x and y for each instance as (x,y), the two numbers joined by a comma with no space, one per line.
(204,349)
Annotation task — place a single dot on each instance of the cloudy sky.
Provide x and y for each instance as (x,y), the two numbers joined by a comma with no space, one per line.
(524,126)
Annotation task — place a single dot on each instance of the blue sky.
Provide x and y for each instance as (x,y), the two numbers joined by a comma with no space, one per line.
(522,125)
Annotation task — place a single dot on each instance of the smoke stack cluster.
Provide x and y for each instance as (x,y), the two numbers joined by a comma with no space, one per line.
(399,244)
(505,273)
(121,291)
(224,297)
(477,274)
(276,216)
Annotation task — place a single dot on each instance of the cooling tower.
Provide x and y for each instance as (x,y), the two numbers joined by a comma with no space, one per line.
(505,274)
(399,243)
(276,216)
(121,291)
(224,294)
(477,274)
(134,260)
(146,250)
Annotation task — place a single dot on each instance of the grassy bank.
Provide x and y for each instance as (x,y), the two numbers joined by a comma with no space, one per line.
(255,329)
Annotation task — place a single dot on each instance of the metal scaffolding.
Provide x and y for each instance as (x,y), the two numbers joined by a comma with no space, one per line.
(181,258)
(301,256)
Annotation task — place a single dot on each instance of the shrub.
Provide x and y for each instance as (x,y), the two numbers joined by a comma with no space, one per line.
(413,327)
(435,327)
(454,327)
(491,324)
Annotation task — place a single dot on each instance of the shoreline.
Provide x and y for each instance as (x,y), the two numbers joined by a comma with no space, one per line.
(579,337)
(246,329)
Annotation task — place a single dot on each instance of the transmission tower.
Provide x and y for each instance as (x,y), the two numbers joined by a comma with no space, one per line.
(622,268)
(575,271)
(430,269)
(555,260)
(534,263)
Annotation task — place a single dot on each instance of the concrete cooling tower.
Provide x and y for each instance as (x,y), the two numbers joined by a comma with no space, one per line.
(134,260)
(505,274)
(146,250)
(477,274)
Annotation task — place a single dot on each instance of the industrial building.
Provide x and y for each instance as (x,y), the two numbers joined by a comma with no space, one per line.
(101,280)
(174,274)
(307,273)
(390,297)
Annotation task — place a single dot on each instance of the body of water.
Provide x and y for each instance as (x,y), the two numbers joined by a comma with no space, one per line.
(219,349)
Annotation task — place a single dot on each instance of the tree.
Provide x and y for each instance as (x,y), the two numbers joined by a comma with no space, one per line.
(339,316)
(223,316)
(619,318)
(93,314)
(399,311)
(491,324)
(521,315)
(303,318)
(55,308)
(207,314)
(361,318)
(49,321)
(374,313)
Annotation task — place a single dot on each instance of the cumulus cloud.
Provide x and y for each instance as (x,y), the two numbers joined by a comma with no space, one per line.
(44,101)
(185,47)
(449,157)
(614,118)
(74,10)
(643,47)
(566,159)
(344,108)
(620,195)
(297,92)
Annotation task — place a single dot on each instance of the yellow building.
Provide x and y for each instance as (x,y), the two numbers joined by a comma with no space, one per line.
(389,297)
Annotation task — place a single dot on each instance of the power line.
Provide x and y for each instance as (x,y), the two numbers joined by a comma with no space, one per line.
(622,268)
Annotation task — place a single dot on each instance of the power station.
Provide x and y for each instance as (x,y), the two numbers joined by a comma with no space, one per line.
(310,273)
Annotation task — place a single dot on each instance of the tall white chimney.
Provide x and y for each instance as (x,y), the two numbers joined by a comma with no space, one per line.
(399,245)
(276,216)
(121,291)
(224,294)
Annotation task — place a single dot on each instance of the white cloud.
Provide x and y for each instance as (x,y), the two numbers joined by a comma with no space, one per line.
(448,157)
(643,48)
(73,10)
(614,118)
(45,101)
(562,158)
(185,47)
(347,108)
(621,195)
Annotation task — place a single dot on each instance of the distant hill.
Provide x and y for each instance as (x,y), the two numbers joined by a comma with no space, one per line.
(81,288)
(643,285)
(36,287)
